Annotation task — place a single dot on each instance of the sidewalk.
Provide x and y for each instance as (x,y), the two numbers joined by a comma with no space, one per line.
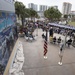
(35,64)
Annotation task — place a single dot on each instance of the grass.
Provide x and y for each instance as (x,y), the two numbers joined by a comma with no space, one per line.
(71,23)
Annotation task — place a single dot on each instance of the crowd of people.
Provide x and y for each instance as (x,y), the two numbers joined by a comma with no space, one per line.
(29,28)
(62,31)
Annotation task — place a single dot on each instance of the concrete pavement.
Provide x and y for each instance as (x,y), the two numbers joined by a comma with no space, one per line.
(35,64)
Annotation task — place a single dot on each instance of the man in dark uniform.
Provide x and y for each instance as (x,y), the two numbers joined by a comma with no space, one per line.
(51,32)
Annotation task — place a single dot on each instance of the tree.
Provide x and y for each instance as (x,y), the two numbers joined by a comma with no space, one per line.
(66,16)
(24,12)
(20,10)
(27,13)
(52,14)
(33,13)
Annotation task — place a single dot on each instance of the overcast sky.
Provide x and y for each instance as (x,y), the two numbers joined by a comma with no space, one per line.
(49,3)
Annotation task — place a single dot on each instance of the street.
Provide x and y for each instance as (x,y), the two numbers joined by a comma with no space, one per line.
(35,64)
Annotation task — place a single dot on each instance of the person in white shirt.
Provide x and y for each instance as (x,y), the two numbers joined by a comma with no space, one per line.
(61,52)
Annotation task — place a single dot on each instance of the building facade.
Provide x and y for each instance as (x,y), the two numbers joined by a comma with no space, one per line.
(41,14)
(42,7)
(7,31)
(72,16)
(72,13)
(33,6)
(66,8)
(55,7)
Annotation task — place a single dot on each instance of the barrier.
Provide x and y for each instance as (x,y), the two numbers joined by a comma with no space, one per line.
(16,60)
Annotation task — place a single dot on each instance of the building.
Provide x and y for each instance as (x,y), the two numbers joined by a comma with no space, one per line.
(7,31)
(42,7)
(48,7)
(55,7)
(72,13)
(66,8)
(7,5)
(72,16)
(33,6)
(41,14)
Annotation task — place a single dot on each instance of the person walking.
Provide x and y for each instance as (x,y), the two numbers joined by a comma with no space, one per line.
(61,52)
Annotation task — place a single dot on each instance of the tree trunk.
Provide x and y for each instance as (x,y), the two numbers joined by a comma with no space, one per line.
(22,19)
(31,18)
(34,19)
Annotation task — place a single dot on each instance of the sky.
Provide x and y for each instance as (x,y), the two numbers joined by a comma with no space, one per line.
(59,3)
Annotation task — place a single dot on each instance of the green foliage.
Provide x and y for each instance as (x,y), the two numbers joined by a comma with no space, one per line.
(33,13)
(27,13)
(65,16)
(71,23)
(52,14)
(23,12)
(19,8)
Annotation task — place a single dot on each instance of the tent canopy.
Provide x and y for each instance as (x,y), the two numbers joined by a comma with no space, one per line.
(62,26)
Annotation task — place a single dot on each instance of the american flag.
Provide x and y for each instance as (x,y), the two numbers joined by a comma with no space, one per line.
(45,45)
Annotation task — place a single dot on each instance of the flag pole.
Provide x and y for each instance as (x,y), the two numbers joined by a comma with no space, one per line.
(45,46)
